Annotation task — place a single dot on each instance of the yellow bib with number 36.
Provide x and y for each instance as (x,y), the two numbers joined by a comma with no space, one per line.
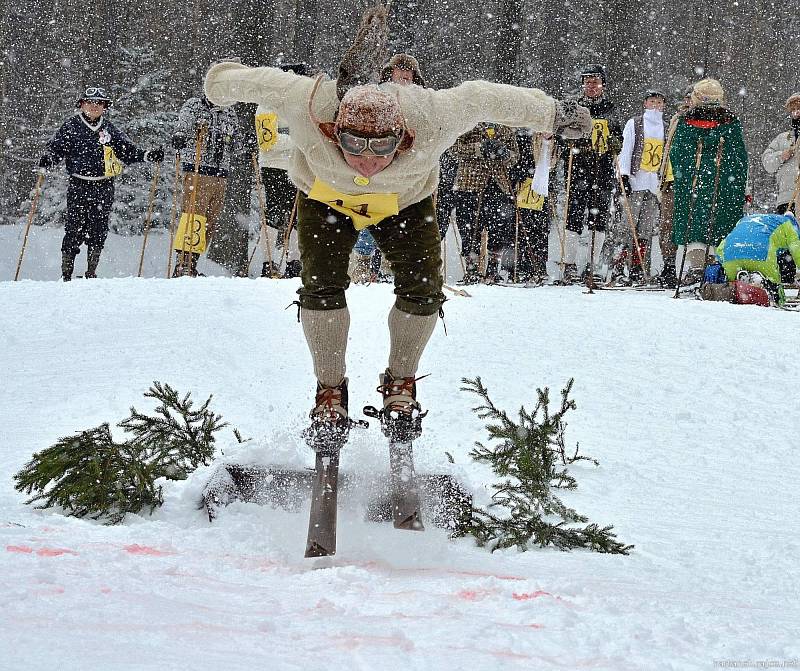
(112,164)
(191,238)
(652,153)
(266,130)
(527,198)
(365,209)
(600,134)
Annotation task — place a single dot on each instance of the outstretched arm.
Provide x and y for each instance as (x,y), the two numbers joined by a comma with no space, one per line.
(461,108)
(227,83)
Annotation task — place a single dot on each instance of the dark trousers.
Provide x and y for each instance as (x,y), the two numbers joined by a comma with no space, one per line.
(409,240)
(492,210)
(279,195)
(534,228)
(88,209)
(590,195)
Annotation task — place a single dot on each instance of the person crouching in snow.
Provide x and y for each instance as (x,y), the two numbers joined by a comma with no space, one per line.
(767,244)
(372,159)
(94,149)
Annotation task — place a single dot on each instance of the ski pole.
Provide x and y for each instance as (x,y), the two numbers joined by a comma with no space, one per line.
(263,206)
(563,230)
(173,214)
(148,216)
(516,240)
(629,215)
(187,236)
(692,198)
(287,235)
(712,218)
(36,191)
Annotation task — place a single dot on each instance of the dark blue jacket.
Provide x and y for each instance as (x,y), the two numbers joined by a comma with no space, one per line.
(88,149)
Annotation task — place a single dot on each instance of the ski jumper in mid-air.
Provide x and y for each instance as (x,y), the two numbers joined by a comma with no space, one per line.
(372,159)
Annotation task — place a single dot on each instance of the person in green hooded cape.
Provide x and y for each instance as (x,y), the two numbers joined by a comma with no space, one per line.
(707,131)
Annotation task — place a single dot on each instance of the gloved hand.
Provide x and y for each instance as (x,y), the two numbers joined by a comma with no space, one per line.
(178,141)
(154,155)
(626,184)
(614,144)
(46,162)
(572,121)
(494,150)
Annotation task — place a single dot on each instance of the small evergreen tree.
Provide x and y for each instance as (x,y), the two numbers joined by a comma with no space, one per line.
(90,475)
(532,458)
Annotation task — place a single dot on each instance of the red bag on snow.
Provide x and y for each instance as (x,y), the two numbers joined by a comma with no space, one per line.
(749,294)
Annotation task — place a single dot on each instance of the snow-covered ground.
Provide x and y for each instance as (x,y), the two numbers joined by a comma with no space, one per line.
(688,406)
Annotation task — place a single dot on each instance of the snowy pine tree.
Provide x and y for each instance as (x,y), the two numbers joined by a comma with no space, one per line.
(531,457)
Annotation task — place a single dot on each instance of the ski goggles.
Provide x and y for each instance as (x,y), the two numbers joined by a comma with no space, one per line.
(385,145)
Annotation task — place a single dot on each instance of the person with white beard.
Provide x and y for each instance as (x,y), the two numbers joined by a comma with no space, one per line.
(639,164)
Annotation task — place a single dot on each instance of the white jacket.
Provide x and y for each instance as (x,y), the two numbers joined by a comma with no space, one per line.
(785,171)
(438,118)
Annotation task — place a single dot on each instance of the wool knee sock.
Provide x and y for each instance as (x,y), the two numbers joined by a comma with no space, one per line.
(408,335)
(326,335)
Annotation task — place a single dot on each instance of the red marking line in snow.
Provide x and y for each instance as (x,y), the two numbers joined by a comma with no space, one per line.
(473,594)
(527,596)
(41,552)
(146,550)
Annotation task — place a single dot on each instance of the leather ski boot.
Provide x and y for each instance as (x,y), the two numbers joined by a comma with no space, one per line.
(67,266)
(92,260)
(401,416)
(330,424)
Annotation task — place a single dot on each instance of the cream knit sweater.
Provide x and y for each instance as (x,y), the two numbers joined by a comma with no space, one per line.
(437,117)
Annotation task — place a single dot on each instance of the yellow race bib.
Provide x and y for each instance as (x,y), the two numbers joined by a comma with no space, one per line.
(600,135)
(652,154)
(191,238)
(113,166)
(365,209)
(266,130)
(527,198)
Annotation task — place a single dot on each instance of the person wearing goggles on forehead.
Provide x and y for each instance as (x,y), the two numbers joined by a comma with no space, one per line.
(371,160)
(782,159)
(94,150)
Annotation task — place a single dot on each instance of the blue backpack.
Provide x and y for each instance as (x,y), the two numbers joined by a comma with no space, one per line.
(715,274)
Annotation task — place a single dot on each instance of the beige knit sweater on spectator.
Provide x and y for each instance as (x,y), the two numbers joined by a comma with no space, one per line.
(438,118)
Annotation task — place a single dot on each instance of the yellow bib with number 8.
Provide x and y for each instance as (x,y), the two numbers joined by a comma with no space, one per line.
(266,130)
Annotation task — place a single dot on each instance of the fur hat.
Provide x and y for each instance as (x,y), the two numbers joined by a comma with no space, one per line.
(792,101)
(708,92)
(402,62)
(370,110)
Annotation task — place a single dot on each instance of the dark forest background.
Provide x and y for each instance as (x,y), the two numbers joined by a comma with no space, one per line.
(152,55)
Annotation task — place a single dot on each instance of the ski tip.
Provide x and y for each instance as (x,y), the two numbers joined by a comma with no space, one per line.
(314,549)
(411,523)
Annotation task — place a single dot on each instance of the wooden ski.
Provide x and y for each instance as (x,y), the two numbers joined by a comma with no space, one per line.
(405,499)
(321,540)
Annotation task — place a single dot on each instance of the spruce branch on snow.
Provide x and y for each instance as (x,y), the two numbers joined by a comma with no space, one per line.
(90,475)
(531,456)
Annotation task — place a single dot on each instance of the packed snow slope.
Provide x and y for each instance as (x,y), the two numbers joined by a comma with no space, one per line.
(688,406)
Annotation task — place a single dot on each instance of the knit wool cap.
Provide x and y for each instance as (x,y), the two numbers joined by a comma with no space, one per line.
(370,110)
(708,92)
